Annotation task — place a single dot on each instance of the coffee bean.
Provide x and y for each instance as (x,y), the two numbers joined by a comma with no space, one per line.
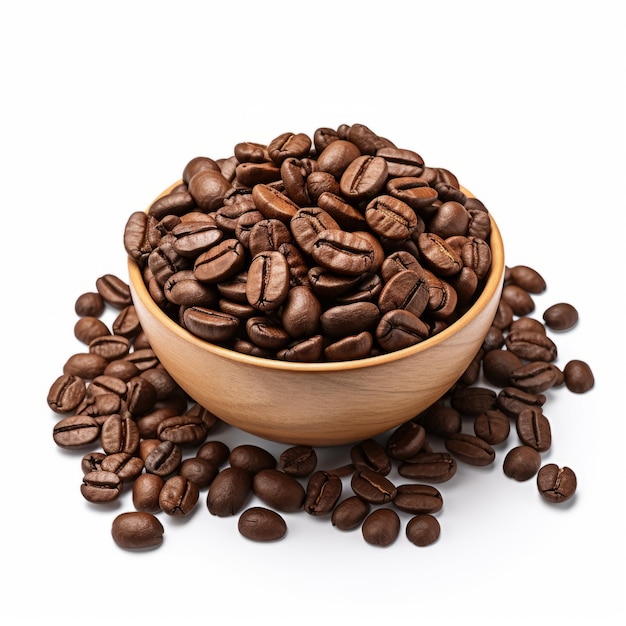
(370,454)
(470,449)
(533,429)
(433,467)
(261,524)
(89,304)
(251,458)
(350,513)
(146,490)
(578,375)
(561,316)
(278,490)
(372,486)
(298,461)
(423,530)
(527,278)
(556,484)
(322,493)
(416,498)
(229,491)
(101,486)
(76,431)
(178,496)
(137,530)
(127,466)
(492,426)
(406,441)
(114,290)
(381,527)
(521,462)
(66,393)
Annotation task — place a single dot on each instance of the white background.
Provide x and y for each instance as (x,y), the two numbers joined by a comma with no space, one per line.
(104,103)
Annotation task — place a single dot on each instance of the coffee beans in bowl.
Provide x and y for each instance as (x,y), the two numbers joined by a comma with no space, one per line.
(338,279)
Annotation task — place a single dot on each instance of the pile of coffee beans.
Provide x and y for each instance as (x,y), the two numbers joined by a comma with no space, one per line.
(336,247)
(339,247)
(135,430)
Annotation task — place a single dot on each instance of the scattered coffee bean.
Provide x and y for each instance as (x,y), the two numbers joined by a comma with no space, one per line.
(423,530)
(137,530)
(261,524)
(556,484)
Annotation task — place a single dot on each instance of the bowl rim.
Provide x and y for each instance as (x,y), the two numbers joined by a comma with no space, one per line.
(494,280)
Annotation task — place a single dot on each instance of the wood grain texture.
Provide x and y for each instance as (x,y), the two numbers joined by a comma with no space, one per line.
(320,404)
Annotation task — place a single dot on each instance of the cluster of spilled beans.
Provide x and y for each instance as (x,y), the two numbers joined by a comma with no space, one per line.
(138,436)
(334,247)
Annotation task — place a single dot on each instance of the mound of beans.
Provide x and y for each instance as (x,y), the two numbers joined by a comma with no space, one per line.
(336,247)
(136,434)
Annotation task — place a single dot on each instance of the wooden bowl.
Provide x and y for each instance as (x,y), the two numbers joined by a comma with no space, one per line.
(319,404)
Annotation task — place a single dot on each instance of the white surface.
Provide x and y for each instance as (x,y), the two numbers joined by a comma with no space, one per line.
(104,104)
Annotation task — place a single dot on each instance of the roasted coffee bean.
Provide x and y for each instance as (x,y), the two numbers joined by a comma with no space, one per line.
(183,430)
(114,291)
(176,202)
(288,145)
(76,431)
(398,329)
(519,300)
(208,188)
(267,235)
(561,316)
(268,281)
(513,401)
(273,204)
(438,255)
(556,484)
(164,459)
(89,328)
(119,434)
(527,278)
(214,326)
(364,177)
(229,491)
(413,190)
(417,498)
(381,527)
(532,346)
(441,420)
(349,319)
(298,461)
(494,339)
(100,486)
(104,385)
(66,393)
(85,365)
(220,262)
(350,348)
(137,530)
(406,289)
(343,252)
(178,496)
(278,490)
(432,467)
(92,461)
(470,449)
(122,369)
(301,312)
(90,304)
(141,395)
(406,441)
(191,238)
(389,217)
(372,486)
(534,430)
(535,376)
(370,454)
(449,219)
(216,452)
(578,376)
(323,491)
(267,333)
(521,462)
(143,358)
(199,471)
(260,524)
(350,513)
(146,490)
(504,315)
(498,364)
(401,162)
(423,530)
(127,466)
(307,350)
(492,426)
(111,347)
(473,401)
(252,458)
